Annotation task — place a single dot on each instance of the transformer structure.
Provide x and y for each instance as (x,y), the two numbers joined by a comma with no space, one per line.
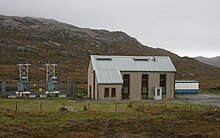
(3,89)
(71,89)
(23,83)
(51,81)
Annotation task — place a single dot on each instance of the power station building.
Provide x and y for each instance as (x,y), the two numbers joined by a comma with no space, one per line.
(130,77)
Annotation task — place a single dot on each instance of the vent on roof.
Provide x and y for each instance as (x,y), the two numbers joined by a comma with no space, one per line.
(141,58)
(154,59)
(103,58)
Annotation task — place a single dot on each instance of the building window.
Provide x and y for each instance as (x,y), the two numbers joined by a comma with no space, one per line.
(113,92)
(106,94)
(125,91)
(158,92)
(90,91)
(144,88)
(163,83)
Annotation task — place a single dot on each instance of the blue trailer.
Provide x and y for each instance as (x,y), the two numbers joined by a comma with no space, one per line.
(186,86)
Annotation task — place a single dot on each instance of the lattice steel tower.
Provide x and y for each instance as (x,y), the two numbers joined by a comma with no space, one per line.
(23,83)
(51,80)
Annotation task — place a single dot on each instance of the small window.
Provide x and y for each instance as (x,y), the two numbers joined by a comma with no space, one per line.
(113,92)
(103,58)
(141,58)
(106,94)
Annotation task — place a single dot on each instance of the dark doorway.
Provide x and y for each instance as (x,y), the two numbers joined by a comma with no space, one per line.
(113,92)
(126,86)
(106,94)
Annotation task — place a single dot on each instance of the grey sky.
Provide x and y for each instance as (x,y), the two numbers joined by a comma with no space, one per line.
(185,27)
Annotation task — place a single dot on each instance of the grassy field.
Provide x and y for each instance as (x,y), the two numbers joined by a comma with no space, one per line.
(209,92)
(41,118)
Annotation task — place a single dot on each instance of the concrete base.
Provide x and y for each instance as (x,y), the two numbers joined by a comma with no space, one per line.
(22,94)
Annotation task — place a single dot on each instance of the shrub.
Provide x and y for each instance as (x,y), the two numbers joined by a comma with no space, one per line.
(130,105)
(85,108)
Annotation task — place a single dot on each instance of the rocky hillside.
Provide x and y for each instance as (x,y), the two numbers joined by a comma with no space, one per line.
(70,47)
(215,61)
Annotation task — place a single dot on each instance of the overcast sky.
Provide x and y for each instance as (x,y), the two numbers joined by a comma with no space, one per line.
(185,27)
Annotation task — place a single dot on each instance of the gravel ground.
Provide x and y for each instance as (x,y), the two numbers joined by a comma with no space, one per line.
(200,98)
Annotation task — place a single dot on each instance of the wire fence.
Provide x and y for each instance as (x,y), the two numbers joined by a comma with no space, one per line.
(54,106)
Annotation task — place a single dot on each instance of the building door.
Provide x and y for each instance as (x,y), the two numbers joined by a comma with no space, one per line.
(144,86)
(126,86)
(157,93)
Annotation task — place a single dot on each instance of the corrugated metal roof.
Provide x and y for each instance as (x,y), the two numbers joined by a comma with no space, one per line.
(127,63)
(108,76)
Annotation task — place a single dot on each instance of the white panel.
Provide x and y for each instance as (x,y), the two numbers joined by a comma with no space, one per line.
(184,86)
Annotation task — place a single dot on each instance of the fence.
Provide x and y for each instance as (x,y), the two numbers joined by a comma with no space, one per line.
(54,106)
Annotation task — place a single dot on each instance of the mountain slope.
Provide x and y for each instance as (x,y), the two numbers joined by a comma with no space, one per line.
(70,47)
(215,61)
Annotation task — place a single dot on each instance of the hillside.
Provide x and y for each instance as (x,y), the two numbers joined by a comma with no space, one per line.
(215,61)
(70,47)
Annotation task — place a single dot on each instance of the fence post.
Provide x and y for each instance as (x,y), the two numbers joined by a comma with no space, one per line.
(16,106)
(41,106)
(88,106)
(116,107)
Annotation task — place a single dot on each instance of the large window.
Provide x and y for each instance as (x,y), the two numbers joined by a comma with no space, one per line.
(144,88)
(106,94)
(113,92)
(126,86)
(163,83)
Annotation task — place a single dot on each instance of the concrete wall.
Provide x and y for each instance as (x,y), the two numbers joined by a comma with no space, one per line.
(101,90)
(153,81)
(170,85)
(135,84)
(90,80)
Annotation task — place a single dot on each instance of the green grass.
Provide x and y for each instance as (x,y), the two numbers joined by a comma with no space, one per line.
(82,91)
(139,120)
(209,92)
